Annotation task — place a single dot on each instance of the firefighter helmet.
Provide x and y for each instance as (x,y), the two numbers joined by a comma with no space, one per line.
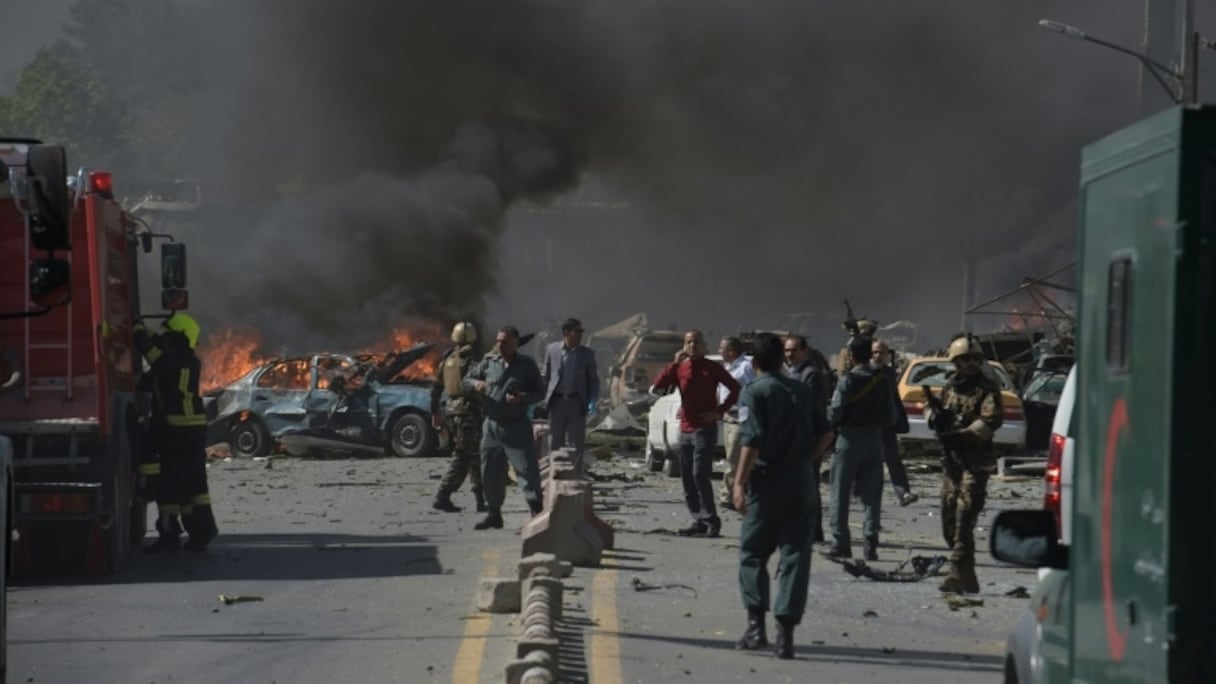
(964,346)
(186,325)
(464,333)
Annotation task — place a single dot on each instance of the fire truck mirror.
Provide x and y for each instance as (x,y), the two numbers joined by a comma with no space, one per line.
(174,299)
(49,206)
(173,265)
(50,282)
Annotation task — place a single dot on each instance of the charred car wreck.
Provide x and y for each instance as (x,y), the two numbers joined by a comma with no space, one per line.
(326,402)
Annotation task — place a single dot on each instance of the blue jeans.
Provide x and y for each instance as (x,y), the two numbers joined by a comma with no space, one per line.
(696,466)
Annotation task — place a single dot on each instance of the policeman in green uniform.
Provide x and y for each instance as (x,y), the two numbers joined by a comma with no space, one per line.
(776,492)
(510,383)
(972,405)
(863,405)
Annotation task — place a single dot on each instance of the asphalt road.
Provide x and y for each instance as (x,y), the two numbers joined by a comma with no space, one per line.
(352,577)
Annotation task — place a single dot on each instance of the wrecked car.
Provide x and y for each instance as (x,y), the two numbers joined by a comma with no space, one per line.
(646,355)
(325,402)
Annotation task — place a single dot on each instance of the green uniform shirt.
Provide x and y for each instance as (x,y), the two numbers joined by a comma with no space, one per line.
(777,416)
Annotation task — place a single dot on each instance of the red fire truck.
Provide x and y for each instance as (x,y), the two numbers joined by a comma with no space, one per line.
(69,301)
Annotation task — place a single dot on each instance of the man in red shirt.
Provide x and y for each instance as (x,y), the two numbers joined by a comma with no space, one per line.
(698,378)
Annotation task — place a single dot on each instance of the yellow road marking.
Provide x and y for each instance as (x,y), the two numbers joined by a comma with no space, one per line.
(473,644)
(605,648)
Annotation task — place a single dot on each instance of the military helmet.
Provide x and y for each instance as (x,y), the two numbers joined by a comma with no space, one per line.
(186,325)
(866,327)
(464,333)
(964,346)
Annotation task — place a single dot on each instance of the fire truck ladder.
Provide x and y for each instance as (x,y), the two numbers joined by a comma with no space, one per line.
(50,383)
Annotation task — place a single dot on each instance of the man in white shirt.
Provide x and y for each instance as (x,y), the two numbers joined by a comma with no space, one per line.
(740,368)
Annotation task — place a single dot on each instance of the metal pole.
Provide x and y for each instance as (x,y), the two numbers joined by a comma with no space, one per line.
(1159,44)
(1188,42)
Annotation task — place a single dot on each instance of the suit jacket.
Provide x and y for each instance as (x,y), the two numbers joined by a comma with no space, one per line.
(586,377)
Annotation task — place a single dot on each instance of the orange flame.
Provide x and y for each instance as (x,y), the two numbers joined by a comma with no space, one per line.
(227,356)
(232,353)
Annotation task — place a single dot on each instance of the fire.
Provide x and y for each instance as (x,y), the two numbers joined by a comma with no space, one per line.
(227,356)
(233,352)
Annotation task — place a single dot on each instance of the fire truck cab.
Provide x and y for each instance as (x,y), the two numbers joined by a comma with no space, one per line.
(70,406)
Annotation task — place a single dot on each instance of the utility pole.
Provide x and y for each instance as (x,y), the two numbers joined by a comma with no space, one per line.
(968,283)
(1158,44)
(1188,43)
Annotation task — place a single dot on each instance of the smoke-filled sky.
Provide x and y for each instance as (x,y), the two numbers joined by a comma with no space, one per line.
(774,155)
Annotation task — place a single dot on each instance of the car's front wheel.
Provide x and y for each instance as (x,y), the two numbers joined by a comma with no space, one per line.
(249,440)
(410,436)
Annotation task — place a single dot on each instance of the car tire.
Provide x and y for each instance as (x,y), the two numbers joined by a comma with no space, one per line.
(410,436)
(671,465)
(249,439)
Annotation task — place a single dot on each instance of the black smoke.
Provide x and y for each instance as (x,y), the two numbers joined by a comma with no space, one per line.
(770,156)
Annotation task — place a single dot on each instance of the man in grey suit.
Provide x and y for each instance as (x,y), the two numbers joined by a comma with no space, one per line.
(572,388)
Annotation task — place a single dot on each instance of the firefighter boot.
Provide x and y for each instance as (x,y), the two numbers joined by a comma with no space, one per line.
(755,637)
(163,544)
(200,525)
(443,502)
(785,639)
(493,520)
(481,500)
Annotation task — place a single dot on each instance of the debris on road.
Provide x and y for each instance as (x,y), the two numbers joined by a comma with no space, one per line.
(1018,592)
(639,585)
(228,600)
(921,567)
(956,601)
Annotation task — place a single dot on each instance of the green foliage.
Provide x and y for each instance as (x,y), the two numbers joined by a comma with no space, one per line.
(62,101)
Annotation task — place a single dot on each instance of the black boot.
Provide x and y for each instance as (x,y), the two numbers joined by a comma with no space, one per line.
(164,544)
(535,506)
(493,520)
(755,637)
(870,549)
(443,502)
(481,500)
(785,639)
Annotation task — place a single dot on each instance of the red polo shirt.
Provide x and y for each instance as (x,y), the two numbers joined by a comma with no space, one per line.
(698,380)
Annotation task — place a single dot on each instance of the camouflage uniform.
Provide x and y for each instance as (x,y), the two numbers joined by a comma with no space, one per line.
(463,416)
(975,401)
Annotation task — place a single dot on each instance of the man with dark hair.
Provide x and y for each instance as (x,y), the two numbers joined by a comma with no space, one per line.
(801,365)
(775,491)
(510,383)
(572,387)
(740,368)
(862,407)
(700,410)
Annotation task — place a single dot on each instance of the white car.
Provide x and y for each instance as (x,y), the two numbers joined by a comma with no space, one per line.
(663,432)
(1037,647)
(931,371)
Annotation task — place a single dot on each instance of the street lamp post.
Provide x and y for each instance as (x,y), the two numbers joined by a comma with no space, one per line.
(1156,69)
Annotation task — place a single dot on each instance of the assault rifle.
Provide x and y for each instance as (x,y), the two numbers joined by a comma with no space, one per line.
(942,425)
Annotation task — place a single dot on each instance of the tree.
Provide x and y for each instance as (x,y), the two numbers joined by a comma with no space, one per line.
(62,101)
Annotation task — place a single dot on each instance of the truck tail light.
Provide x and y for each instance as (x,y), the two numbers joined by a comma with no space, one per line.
(913,408)
(1051,495)
(102,183)
(57,503)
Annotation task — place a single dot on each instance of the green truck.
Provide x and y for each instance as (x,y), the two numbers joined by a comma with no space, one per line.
(1132,598)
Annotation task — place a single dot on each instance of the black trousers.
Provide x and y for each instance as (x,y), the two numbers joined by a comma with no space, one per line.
(182,486)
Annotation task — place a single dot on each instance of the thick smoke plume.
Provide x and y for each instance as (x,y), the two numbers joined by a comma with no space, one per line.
(773,155)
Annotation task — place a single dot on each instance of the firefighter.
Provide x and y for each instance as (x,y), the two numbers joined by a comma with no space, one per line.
(179,428)
(461,415)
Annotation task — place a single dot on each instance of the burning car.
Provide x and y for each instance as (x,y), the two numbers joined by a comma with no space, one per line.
(326,402)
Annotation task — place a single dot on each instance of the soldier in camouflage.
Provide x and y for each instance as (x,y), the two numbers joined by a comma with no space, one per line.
(972,401)
(461,415)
